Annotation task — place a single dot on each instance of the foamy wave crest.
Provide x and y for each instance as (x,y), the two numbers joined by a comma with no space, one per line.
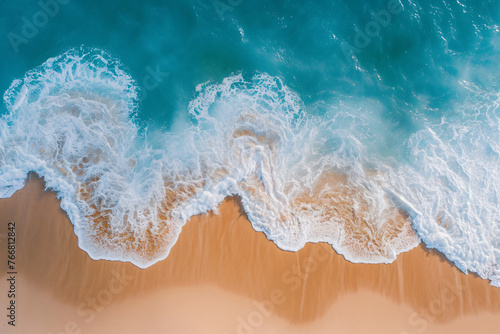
(301,178)
(71,121)
(453,183)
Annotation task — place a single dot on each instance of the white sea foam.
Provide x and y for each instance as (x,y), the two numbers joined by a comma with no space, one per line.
(301,178)
(453,180)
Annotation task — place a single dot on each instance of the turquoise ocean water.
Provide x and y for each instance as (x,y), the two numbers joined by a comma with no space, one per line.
(118,103)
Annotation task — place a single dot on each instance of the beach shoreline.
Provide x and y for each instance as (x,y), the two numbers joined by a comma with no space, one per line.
(238,272)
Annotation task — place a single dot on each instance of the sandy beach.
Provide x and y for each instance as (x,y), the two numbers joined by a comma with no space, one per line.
(224,277)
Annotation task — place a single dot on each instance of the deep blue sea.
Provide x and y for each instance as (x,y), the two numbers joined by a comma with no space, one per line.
(370,125)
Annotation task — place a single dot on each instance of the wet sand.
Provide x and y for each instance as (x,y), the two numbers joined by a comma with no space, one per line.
(223,277)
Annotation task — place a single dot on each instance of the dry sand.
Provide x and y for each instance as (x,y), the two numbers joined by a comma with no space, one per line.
(223,277)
